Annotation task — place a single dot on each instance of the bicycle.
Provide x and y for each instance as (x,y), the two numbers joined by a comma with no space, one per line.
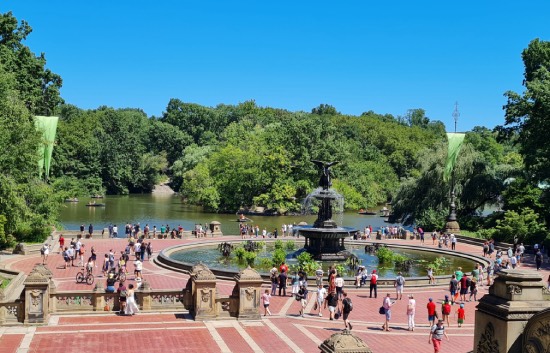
(81,277)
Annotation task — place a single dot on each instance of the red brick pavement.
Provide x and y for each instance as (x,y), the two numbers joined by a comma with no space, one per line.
(157,332)
(10,343)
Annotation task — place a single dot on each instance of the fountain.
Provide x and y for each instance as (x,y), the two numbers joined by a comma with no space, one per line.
(325,239)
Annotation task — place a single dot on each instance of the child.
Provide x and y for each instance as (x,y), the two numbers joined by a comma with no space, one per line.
(461,315)
(265,298)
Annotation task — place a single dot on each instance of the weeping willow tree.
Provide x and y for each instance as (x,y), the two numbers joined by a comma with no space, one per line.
(424,200)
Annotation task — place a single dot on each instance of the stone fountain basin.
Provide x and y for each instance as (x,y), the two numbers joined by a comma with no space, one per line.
(164,260)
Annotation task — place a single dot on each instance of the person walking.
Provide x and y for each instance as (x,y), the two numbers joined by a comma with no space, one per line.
(538,259)
(446,310)
(321,293)
(453,288)
(436,335)
(461,315)
(339,282)
(411,308)
(347,307)
(332,302)
(431,311)
(302,297)
(387,304)
(265,299)
(399,284)
(464,285)
(373,284)
(90,230)
(473,291)
(274,281)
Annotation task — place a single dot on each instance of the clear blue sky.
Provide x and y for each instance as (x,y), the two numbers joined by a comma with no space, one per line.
(355,55)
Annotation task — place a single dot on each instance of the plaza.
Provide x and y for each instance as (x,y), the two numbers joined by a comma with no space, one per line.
(176,331)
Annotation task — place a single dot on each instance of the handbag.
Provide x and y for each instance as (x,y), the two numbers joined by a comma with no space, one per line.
(315,306)
(382,310)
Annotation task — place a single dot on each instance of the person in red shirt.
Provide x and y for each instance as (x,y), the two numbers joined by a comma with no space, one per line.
(431,311)
(373,284)
(464,287)
(461,314)
(283,268)
(61,243)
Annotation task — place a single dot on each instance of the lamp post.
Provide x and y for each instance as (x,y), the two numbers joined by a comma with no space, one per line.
(452,225)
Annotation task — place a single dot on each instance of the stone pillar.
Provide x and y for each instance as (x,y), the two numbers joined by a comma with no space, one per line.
(249,291)
(502,315)
(145,295)
(204,293)
(98,297)
(37,296)
(215,229)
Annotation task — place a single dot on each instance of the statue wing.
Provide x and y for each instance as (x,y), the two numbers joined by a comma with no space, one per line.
(332,163)
(320,164)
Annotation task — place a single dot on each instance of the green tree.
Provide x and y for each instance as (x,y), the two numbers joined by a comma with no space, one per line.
(38,87)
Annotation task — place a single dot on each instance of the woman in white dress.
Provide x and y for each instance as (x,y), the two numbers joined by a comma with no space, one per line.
(131,306)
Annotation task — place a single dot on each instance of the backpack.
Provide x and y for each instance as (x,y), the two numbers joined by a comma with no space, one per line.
(348,305)
(399,281)
(446,309)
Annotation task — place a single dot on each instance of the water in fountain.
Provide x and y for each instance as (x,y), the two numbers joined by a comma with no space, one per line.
(312,203)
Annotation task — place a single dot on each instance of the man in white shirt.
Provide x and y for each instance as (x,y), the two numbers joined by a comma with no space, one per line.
(387,304)
(138,266)
(115,231)
(321,293)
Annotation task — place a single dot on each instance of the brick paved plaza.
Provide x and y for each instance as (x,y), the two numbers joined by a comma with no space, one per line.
(285,331)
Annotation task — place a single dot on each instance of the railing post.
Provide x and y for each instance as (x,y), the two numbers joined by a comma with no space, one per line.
(248,288)
(204,293)
(37,295)
(145,295)
(98,297)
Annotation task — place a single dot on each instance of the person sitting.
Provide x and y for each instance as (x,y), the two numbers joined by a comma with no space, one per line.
(111,280)
(361,277)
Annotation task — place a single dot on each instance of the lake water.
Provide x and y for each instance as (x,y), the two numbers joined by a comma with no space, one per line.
(156,210)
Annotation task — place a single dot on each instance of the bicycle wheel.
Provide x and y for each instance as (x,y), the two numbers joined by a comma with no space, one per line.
(79,277)
(90,278)
(122,277)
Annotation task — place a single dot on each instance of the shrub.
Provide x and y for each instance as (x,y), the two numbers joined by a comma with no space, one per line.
(290,245)
(306,262)
(239,253)
(278,244)
(385,255)
(278,257)
(250,257)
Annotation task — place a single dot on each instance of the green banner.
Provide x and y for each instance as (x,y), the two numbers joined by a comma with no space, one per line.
(48,126)
(455,142)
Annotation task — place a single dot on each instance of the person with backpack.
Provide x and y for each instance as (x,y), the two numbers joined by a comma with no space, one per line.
(399,284)
(373,286)
(473,290)
(347,307)
(436,335)
(302,298)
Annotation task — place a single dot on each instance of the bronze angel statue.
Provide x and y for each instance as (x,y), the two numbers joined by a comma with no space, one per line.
(325,182)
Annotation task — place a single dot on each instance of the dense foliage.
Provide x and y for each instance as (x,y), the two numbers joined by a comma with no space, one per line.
(244,156)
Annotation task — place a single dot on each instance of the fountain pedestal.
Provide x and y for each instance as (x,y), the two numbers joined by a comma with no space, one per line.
(325,240)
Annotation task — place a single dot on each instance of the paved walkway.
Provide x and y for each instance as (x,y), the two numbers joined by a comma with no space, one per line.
(285,331)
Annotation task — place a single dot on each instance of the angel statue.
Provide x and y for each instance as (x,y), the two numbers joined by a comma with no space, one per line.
(325,182)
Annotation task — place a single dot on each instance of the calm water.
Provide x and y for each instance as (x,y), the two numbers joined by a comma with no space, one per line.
(162,209)
(211,256)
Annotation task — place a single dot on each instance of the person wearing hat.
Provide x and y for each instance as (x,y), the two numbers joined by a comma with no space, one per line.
(411,308)
(446,310)
(436,335)
(461,314)
(431,311)
(373,283)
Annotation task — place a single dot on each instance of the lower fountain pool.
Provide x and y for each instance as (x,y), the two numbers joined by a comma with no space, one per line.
(211,257)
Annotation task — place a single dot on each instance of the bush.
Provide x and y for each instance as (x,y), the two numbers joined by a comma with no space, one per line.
(279,255)
(239,253)
(307,263)
(385,255)
(6,240)
(250,257)
(290,245)
(278,244)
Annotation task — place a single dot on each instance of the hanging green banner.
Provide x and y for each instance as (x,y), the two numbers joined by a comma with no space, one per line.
(47,125)
(455,143)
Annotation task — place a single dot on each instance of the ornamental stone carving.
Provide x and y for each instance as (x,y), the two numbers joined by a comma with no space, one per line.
(344,341)
(487,343)
(536,336)
(513,289)
(248,274)
(200,272)
(205,295)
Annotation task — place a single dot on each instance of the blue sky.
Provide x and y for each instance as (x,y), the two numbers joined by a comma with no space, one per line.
(355,55)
